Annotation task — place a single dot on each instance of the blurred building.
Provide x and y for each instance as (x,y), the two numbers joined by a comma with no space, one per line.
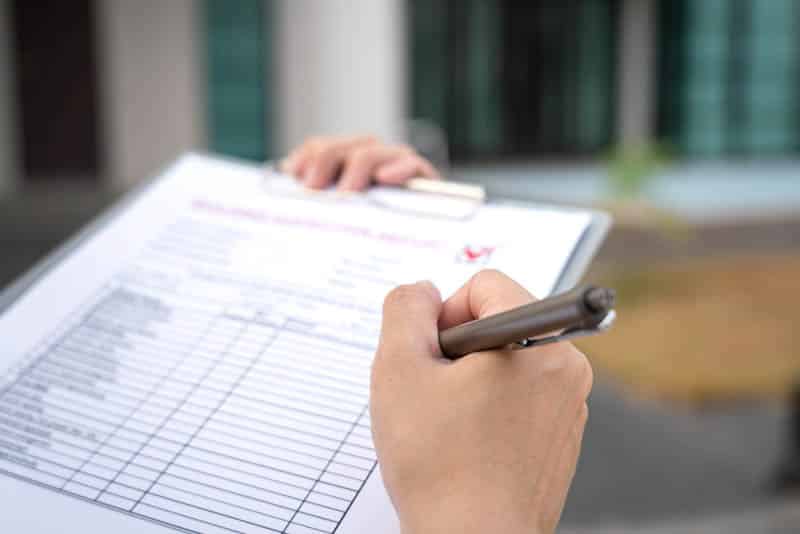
(108,90)
(713,78)
(111,89)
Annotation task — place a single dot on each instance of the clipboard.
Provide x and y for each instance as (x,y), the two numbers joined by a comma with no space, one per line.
(576,266)
(346,326)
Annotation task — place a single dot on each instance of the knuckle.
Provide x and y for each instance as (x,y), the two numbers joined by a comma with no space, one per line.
(360,156)
(327,152)
(406,149)
(401,296)
(579,370)
(369,139)
(574,362)
(568,366)
(488,276)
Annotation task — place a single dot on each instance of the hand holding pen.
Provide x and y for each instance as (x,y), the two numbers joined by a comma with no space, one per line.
(485,444)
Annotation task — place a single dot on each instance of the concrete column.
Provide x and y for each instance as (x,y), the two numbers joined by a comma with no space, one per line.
(152,80)
(636,102)
(341,68)
(9,168)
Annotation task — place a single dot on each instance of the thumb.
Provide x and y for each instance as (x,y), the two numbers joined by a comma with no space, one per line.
(487,293)
(409,333)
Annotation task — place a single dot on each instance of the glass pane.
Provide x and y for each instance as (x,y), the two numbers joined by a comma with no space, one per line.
(237,92)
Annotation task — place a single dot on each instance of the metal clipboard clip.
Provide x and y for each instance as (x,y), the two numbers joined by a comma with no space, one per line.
(437,199)
(430,198)
(570,333)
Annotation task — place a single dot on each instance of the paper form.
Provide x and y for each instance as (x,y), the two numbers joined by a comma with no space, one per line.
(202,363)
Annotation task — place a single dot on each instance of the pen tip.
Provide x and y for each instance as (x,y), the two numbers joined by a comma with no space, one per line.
(599,299)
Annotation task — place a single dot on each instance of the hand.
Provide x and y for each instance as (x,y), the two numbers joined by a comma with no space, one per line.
(356,161)
(487,443)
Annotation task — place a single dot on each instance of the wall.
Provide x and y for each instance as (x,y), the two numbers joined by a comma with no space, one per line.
(341,68)
(8,149)
(152,83)
(637,59)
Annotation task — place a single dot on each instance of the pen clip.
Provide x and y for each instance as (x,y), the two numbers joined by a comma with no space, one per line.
(569,333)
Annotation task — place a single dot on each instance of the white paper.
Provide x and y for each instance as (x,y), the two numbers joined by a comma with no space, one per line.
(202,363)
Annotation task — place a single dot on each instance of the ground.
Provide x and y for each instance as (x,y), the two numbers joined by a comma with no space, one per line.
(705,330)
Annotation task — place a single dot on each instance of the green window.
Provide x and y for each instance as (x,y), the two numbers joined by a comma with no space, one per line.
(514,78)
(238,52)
(730,76)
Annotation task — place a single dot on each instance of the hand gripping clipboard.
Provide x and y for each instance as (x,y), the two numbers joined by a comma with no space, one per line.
(452,200)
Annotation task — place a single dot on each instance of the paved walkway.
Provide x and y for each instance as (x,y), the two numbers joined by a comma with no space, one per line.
(644,462)
(779,518)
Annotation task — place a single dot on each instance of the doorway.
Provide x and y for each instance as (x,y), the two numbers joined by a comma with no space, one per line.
(57,87)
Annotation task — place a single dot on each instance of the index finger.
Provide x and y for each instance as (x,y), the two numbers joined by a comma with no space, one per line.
(409,335)
(487,293)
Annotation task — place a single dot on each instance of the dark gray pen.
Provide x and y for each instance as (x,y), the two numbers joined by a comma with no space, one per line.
(582,311)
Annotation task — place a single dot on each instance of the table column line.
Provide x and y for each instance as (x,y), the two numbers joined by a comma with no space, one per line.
(214,411)
(91,310)
(92,306)
(327,465)
(161,425)
(136,407)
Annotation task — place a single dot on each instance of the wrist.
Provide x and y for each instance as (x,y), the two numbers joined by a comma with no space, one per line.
(443,522)
(477,514)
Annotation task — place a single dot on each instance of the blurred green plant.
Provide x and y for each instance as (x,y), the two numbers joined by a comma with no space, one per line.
(632,167)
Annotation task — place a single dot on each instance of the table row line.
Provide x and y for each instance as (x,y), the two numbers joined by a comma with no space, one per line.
(114,453)
(108,463)
(264,426)
(221,332)
(44,380)
(187,371)
(327,489)
(268,364)
(252,384)
(204,348)
(237,412)
(169,505)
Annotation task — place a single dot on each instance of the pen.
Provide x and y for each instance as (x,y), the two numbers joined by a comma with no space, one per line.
(582,311)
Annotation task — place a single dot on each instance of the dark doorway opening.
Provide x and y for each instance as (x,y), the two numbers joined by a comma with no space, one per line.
(57,88)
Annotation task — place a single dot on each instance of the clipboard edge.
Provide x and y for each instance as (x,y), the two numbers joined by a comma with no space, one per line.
(585,249)
(584,252)
(574,269)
